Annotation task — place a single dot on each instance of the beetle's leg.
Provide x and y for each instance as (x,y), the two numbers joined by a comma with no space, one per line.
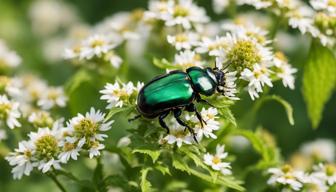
(199,99)
(134,118)
(161,121)
(177,114)
(192,108)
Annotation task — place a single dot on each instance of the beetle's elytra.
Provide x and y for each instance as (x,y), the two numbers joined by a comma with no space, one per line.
(176,91)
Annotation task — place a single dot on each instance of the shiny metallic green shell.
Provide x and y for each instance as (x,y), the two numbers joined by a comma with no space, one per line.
(203,80)
(164,93)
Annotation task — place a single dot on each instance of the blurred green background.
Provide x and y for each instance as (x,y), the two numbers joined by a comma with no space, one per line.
(15,28)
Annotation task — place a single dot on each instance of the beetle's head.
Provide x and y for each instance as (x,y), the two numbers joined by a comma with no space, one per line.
(220,78)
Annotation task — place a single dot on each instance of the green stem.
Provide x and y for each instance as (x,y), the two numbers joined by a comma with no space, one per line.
(57,182)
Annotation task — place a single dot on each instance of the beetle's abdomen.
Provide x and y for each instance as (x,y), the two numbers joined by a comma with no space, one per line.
(163,93)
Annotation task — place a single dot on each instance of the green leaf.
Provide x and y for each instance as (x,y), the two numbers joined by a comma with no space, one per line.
(264,144)
(227,114)
(163,169)
(145,185)
(116,110)
(227,181)
(163,64)
(77,79)
(318,81)
(154,154)
(285,104)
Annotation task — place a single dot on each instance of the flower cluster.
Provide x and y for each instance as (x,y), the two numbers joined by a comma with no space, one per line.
(120,94)
(321,178)
(318,20)
(49,147)
(311,169)
(179,135)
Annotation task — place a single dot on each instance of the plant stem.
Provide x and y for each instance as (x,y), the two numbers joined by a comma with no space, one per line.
(57,182)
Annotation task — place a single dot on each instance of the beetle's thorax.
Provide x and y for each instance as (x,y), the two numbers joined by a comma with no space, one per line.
(203,80)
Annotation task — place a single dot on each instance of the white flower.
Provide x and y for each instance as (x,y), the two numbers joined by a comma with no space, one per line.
(220,5)
(187,58)
(95,149)
(3,135)
(118,94)
(52,15)
(8,58)
(320,149)
(325,173)
(178,135)
(71,148)
(22,159)
(257,78)
(302,18)
(324,5)
(258,4)
(96,45)
(10,86)
(156,10)
(41,119)
(215,161)
(284,70)
(183,40)
(90,126)
(184,13)
(9,112)
(214,47)
(46,165)
(52,97)
(286,176)
(211,124)
(124,142)
(114,59)
(72,53)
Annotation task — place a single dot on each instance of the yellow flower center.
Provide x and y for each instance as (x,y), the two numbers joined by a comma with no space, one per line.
(46,147)
(4,110)
(68,146)
(86,127)
(244,54)
(332,3)
(216,160)
(181,38)
(330,170)
(97,43)
(180,11)
(286,168)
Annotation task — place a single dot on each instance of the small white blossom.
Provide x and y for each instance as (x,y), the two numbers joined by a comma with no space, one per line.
(178,135)
(186,59)
(258,4)
(52,97)
(22,159)
(3,135)
(286,176)
(215,161)
(183,40)
(124,142)
(184,13)
(220,5)
(8,58)
(325,173)
(209,126)
(96,45)
(284,70)
(257,78)
(321,149)
(9,112)
(71,149)
(117,94)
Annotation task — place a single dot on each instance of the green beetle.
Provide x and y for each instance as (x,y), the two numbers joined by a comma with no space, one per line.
(178,90)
